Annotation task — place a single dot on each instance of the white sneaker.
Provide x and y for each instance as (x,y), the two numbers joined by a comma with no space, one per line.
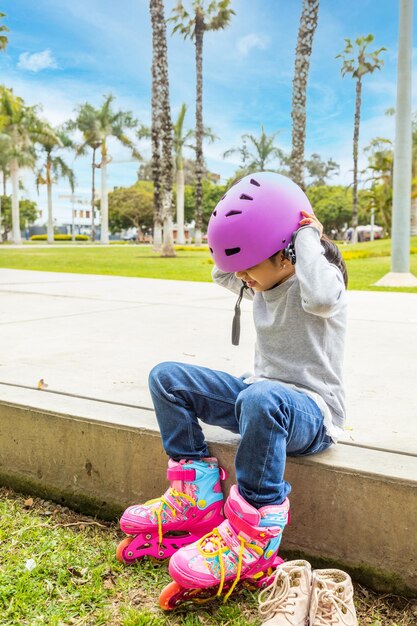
(332,599)
(286,601)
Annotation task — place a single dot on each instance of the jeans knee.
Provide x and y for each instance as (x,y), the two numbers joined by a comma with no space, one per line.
(263,400)
(162,375)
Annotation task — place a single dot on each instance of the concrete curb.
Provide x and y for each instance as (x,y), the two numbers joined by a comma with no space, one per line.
(351,507)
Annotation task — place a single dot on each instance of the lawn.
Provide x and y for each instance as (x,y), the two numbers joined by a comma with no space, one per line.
(59,568)
(366,262)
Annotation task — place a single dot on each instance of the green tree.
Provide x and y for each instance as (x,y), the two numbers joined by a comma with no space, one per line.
(380,166)
(318,170)
(97,125)
(28,214)
(132,206)
(306,30)
(194,24)
(211,196)
(54,167)
(3,38)
(256,153)
(332,205)
(358,61)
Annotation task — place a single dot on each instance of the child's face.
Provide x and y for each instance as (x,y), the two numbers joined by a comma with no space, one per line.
(267,274)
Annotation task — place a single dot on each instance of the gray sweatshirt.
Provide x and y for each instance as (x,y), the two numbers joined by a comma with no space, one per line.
(301,324)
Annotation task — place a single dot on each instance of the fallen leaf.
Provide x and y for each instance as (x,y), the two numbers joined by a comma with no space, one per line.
(28,503)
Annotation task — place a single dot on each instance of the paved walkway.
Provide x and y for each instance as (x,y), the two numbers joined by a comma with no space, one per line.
(98,337)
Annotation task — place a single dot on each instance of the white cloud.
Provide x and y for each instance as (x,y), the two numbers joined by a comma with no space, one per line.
(37,61)
(245,44)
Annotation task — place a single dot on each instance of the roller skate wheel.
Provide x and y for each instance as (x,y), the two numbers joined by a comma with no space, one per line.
(122,554)
(147,537)
(167,594)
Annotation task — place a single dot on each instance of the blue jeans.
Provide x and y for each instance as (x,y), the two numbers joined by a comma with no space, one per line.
(272,420)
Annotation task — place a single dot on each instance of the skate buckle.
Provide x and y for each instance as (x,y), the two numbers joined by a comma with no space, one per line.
(187,475)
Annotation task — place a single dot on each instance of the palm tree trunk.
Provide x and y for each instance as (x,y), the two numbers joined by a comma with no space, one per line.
(355,160)
(414,217)
(156,131)
(166,131)
(93,193)
(14,174)
(308,25)
(49,194)
(199,161)
(4,184)
(1,225)
(180,207)
(168,240)
(104,200)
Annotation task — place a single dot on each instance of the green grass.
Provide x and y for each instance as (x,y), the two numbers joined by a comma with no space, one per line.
(366,262)
(77,581)
(129,260)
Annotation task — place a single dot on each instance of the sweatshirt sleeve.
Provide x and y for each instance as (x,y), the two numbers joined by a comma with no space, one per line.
(229,280)
(321,283)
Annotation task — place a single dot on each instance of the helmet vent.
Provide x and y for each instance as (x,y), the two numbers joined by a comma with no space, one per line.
(223,196)
(254,182)
(211,250)
(214,213)
(233,213)
(231,251)
(284,240)
(244,196)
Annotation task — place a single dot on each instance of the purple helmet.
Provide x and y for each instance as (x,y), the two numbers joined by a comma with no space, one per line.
(254,219)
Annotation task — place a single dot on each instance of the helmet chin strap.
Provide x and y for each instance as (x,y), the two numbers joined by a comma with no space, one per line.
(236,317)
(288,253)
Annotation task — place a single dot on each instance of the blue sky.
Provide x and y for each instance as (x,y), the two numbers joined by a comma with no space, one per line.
(63,53)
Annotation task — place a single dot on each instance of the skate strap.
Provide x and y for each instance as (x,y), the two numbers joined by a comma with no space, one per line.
(250,532)
(181,474)
(223,473)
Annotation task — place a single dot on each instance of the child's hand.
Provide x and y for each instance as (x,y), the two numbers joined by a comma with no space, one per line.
(310,219)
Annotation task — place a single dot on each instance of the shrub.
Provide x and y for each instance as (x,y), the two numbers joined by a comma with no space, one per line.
(191,248)
(60,238)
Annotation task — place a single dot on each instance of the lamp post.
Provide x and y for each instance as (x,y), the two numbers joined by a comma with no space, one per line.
(400,275)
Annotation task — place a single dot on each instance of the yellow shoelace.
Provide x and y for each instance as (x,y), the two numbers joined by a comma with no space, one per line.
(220,547)
(163,502)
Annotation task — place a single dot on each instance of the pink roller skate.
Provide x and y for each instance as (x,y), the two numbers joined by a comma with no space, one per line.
(242,550)
(190,508)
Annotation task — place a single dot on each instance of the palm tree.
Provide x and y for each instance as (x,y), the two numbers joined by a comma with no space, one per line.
(19,122)
(86,122)
(258,154)
(54,167)
(358,62)
(3,45)
(3,38)
(97,125)
(195,24)
(180,141)
(306,30)
(161,130)
(5,158)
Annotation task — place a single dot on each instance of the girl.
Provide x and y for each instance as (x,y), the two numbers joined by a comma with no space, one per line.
(268,246)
